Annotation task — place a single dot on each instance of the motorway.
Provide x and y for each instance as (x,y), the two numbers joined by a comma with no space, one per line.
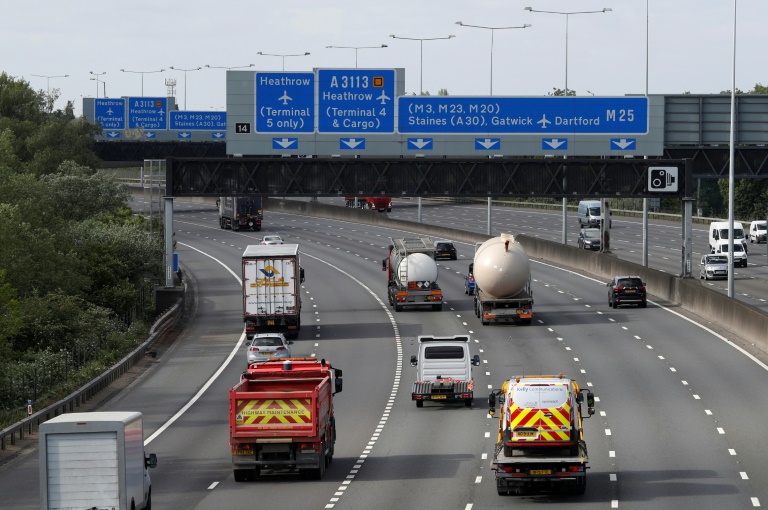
(679,408)
(664,239)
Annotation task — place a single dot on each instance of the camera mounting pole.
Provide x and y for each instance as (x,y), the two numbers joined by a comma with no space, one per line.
(687,219)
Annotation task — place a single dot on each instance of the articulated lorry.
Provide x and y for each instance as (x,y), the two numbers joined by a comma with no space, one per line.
(240,212)
(272,278)
(540,442)
(502,276)
(412,274)
(95,460)
(380,203)
(443,370)
(281,418)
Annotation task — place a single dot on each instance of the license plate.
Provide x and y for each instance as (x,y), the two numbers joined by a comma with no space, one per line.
(242,452)
(270,323)
(525,434)
(267,353)
(438,397)
(629,292)
(540,472)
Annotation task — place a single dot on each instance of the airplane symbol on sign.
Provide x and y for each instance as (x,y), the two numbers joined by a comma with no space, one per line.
(285,98)
(544,121)
(383,98)
(109,112)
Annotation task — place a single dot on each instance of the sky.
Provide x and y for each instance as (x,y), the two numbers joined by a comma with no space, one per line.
(689,48)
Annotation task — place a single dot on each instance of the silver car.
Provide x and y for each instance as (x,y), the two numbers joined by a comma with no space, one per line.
(272,240)
(264,346)
(713,266)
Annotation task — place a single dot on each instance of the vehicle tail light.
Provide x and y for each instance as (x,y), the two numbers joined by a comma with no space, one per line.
(618,289)
(252,349)
(280,349)
(526,307)
(308,446)
(641,288)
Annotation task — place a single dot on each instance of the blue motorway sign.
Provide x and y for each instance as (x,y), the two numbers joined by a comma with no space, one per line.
(110,113)
(148,112)
(285,102)
(356,100)
(199,121)
(522,115)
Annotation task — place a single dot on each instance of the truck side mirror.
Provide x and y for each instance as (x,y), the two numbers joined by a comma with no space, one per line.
(301,274)
(414,362)
(338,385)
(476,360)
(151,461)
(580,398)
(491,403)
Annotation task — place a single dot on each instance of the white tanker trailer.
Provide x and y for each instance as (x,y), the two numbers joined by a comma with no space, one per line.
(502,281)
(412,274)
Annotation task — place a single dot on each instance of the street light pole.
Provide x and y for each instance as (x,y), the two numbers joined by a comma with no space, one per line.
(357,48)
(96,77)
(567,15)
(228,68)
(421,53)
(283,55)
(492,29)
(731,162)
(142,73)
(48,80)
(185,79)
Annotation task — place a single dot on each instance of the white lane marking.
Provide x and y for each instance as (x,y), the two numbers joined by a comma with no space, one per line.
(614,503)
(484,456)
(216,374)
(478,479)
(731,451)
(487,434)
(720,430)
(468,507)
(612,453)
(612,477)
(744,475)
(213,486)
(697,397)
(607,432)
(709,413)
(755,502)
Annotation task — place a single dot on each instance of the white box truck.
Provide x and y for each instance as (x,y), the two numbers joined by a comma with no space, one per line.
(95,460)
(272,278)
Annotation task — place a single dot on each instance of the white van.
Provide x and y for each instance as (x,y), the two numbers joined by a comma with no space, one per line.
(757,231)
(718,232)
(589,213)
(739,255)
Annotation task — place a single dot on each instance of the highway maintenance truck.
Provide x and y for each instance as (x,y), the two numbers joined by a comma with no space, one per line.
(272,278)
(412,274)
(240,212)
(502,276)
(380,203)
(281,417)
(444,370)
(95,460)
(540,442)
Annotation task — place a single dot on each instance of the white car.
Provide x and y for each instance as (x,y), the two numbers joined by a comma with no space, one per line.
(272,240)
(713,266)
(264,346)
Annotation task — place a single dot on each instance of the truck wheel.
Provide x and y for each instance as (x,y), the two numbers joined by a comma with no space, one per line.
(437,308)
(398,308)
(241,475)
(468,402)
(526,322)
(614,305)
(502,491)
(148,506)
(419,403)
(644,304)
(484,322)
(580,485)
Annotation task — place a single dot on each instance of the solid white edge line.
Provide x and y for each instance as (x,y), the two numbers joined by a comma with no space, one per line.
(215,375)
(713,333)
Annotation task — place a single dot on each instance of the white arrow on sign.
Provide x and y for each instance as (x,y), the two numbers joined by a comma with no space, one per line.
(623,143)
(218,135)
(352,143)
(420,143)
(555,143)
(285,142)
(185,134)
(113,134)
(488,143)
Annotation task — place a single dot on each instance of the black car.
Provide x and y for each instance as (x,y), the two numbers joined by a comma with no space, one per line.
(444,250)
(626,290)
(589,238)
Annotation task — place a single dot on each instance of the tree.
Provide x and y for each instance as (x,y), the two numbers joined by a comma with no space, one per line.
(560,92)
